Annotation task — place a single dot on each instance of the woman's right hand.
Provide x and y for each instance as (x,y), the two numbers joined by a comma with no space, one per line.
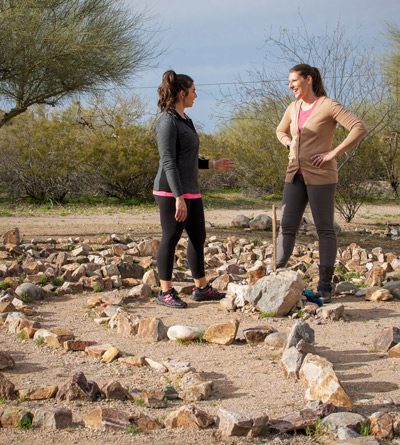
(181,209)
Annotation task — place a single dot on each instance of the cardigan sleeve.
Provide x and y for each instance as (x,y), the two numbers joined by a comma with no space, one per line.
(355,126)
(167,134)
(283,129)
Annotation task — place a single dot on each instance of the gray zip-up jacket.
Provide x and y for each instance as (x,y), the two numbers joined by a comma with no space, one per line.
(178,145)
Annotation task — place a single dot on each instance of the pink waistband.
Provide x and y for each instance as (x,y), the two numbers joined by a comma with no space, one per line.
(171,195)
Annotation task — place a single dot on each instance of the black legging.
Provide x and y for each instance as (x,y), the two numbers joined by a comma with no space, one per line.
(172,231)
(296,195)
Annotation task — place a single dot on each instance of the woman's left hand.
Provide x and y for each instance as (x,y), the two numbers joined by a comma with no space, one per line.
(319,159)
(224,164)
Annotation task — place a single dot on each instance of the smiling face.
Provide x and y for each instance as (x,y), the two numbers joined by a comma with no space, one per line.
(190,96)
(301,86)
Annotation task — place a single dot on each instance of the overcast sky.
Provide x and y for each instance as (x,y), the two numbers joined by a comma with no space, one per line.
(217,41)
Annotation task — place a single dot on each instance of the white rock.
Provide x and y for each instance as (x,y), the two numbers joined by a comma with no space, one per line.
(181,332)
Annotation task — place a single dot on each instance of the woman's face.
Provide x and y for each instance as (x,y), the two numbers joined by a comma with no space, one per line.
(190,97)
(299,85)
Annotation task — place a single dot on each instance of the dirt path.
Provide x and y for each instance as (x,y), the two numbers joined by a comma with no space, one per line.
(247,378)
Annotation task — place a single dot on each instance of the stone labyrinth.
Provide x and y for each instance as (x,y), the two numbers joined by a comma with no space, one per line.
(86,351)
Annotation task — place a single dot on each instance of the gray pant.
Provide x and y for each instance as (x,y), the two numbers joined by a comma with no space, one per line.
(296,195)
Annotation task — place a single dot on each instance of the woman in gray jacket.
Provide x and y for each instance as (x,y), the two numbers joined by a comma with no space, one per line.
(176,188)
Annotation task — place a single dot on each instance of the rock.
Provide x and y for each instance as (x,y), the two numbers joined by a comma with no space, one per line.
(154,399)
(151,278)
(97,351)
(344,420)
(29,292)
(110,355)
(381,425)
(221,283)
(144,422)
(70,288)
(394,351)
(189,417)
(276,340)
(114,391)
(194,387)
(300,420)
(233,424)
(128,270)
(241,221)
(126,324)
(276,293)
(38,393)
(375,276)
(222,333)
(7,389)
(345,287)
(14,417)
(257,334)
(331,312)
(240,293)
(77,345)
(6,307)
(184,333)
(52,418)
(177,367)
(300,331)
(11,237)
(79,388)
(394,288)
(322,382)
(149,248)
(261,222)
(228,303)
(6,361)
(107,419)
(140,291)
(155,365)
(344,433)
(256,272)
(379,295)
(152,328)
(136,362)
(291,362)
(387,338)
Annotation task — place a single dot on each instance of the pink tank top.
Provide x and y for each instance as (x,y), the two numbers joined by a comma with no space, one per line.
(305,114)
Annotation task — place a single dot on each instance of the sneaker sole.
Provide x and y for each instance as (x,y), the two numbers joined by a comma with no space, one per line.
(169,305)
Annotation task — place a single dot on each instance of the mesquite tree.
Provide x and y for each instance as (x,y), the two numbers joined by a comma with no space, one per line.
(51,49)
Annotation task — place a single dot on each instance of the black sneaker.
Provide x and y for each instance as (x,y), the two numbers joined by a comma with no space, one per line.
(206,294)
(171,299)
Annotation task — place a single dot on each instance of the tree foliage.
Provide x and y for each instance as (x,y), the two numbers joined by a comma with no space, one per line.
(51,49)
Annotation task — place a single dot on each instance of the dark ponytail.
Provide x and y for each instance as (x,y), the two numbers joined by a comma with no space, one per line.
(307,70)
(170,87)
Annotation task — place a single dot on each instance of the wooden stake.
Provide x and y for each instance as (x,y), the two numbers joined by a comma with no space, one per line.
(274,236)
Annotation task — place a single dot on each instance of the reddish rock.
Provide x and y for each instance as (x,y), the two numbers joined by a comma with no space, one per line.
(381,425)
(6,361)
(107,419)
(152,328)
(79,388)
(189,417)
(77,345)
(115,391)
(7,389)
(136,362)
(97,351)
(387,338)
(38,393)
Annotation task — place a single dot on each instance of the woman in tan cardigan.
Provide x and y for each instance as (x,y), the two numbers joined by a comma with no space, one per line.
(307,130)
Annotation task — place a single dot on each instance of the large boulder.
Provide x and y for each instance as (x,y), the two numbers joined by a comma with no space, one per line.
(277,293)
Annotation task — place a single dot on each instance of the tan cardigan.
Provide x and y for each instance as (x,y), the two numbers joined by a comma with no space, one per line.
(317,137)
